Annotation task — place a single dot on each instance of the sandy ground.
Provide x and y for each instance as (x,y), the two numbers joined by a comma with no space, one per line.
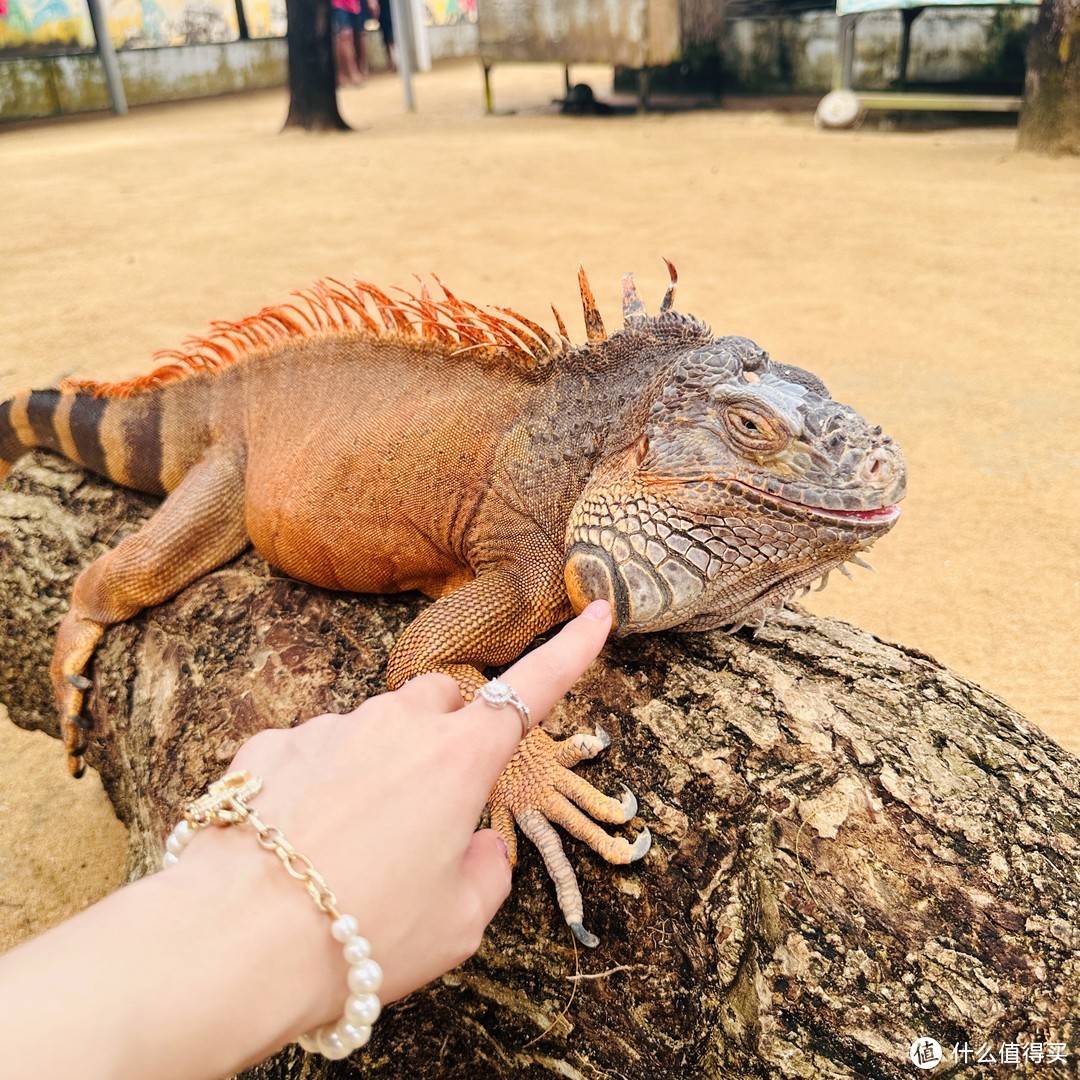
(930,279)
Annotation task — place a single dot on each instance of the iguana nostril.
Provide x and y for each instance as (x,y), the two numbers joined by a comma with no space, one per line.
(879,467)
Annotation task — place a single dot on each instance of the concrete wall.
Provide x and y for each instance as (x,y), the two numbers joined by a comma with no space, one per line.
(796,55)
(633,33)
(38,86)
(762,55)
(49,86)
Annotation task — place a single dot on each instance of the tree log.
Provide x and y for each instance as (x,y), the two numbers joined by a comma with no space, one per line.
(1050,111)
(854,847)
(313,101)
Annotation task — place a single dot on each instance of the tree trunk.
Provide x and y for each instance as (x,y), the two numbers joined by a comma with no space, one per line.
(1050,114)
(312,78)
(855,849)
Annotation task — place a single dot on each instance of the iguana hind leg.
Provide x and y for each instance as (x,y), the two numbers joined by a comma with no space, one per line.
(196,529)
(491,621)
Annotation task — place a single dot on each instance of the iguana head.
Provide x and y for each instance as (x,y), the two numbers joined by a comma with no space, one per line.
(745,481)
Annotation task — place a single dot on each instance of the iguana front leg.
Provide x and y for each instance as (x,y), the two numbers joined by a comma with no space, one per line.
(196,529)
(556,800)
(489,622)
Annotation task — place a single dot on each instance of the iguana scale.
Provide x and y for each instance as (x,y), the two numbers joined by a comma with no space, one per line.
(378,443)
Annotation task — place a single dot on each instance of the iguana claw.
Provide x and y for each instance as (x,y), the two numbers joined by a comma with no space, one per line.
(640,847)
(590,941)
(537,790)
(74,728)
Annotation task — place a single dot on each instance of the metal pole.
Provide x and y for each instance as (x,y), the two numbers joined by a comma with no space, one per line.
(845,52)
(107,53)
(401,13)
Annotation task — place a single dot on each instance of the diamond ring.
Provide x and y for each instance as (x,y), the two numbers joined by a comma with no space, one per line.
(497,694)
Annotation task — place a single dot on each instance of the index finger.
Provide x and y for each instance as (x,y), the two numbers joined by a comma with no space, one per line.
(543,676)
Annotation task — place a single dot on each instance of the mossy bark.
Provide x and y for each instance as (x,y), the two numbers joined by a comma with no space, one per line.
(1050,114)
(854,847)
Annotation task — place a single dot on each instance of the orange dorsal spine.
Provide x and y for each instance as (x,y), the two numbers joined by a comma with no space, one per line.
(329,307)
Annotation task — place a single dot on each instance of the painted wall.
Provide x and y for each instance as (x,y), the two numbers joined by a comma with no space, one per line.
(45,23)
(450,12)
(68,80)
(65,24)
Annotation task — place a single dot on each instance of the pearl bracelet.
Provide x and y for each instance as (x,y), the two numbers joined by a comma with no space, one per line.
(225,803)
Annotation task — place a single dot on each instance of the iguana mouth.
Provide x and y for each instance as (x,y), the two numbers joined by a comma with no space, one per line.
(881,515)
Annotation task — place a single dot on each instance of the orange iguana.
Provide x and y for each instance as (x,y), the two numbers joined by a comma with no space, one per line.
(380,444)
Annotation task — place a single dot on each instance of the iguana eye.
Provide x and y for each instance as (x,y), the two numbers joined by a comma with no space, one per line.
(752,428)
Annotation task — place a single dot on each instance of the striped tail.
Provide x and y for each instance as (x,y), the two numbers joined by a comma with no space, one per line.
(86,429)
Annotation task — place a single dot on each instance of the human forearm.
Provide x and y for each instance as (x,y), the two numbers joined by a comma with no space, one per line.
(187,974)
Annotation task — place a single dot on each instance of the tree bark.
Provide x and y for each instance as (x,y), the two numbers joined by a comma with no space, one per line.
(854,847)
(312,76)
(1050,112)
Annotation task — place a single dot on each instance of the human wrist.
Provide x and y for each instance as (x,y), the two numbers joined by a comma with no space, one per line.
(278,970)
(227,803)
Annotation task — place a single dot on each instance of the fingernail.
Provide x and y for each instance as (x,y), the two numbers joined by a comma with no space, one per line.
(600,610)
(502,847)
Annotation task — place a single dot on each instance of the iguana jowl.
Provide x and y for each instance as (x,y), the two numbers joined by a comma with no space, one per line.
(379,444)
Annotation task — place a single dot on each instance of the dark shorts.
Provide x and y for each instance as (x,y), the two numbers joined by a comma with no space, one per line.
(346,20)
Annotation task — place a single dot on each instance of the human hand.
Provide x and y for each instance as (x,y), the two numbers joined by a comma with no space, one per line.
(217,963)
(384,801)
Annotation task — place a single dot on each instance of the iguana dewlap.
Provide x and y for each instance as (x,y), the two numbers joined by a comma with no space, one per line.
(380,444)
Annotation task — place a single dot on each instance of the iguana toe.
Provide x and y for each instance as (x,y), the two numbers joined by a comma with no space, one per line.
(567,891)
(76,640)
(582,747)
(538,791)
(73,729)
(75,722)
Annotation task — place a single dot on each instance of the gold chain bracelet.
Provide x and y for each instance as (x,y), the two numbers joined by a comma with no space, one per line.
(226,803)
